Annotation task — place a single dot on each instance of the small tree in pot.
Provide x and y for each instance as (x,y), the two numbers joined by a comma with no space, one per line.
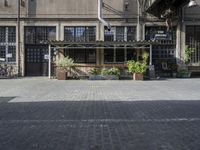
(63,66)
(138,68)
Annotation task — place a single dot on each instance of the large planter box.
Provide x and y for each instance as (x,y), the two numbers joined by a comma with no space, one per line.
(61,74)
(103,77)
(138,76)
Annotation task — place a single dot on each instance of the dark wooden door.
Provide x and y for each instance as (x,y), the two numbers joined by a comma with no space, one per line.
(35,62)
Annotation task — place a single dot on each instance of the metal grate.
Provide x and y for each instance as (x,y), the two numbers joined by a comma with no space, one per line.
(8,44)
(39,35)
(193,41)
(82,55)
(80,34)
(2,34)
(120,33)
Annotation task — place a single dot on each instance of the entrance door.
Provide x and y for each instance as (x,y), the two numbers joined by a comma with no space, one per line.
(36,62)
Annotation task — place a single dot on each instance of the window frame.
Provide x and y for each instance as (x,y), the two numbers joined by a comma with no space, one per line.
(114,36)
(71,53)
(34,34)
(89,36)
(10,42)
(115,56)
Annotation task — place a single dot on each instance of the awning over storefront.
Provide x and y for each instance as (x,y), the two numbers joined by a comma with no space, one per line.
(100,44)
(159,7)
(58,45)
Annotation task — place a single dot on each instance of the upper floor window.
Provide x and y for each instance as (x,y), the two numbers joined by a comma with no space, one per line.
(8,44)
(80,34)
(39,35)
(120,33)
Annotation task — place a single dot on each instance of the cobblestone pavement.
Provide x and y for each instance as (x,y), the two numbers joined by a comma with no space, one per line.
(102,115)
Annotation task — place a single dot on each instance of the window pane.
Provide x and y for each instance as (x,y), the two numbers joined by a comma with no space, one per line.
(11,34)
(69,34)
(109,35)
(41,35)
(91,34)
(108,55)
(91,56)
(120,55)
(2,34)
(51,33)
(189,33)
(80,34)
(30,35)
(119,33)
(131,54)
(12,51)
(131,33)
(197,32)
(2,52)
(79,55)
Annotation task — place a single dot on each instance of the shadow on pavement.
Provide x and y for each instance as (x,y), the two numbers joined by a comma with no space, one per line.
(100,125)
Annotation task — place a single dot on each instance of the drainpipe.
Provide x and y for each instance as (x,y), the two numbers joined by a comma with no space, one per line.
(19,43)
(138,21)
(105,23)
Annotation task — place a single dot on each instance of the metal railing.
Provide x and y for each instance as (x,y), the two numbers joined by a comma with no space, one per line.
(195,56)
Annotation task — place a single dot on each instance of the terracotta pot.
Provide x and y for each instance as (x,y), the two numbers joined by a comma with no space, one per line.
(138,76)
(61,74)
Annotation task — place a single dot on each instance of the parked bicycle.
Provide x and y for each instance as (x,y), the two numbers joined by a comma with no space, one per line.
(6,71)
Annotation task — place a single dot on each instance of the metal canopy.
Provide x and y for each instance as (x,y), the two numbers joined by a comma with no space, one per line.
(56,45)
(100,44)
(158,7)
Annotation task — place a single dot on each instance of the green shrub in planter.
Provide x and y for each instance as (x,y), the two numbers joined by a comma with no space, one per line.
(136,67)
(111,71)
(95,71)
(104,74)
(183,73)
(63,65)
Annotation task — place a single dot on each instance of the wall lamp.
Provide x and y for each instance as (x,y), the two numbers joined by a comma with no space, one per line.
(192,3)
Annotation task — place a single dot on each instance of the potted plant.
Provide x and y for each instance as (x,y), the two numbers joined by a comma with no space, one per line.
(137,68)
(183,70)
(183,73)
(95,74)
(63,66)
(104,74)
(188,54)
(111,74)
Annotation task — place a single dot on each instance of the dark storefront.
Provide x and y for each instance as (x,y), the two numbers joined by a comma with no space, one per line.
(164,53)
(193,41)
(36,51)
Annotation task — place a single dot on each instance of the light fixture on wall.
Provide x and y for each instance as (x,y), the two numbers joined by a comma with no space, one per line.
(192,3)
(126,4)
(6,3)
(23,4)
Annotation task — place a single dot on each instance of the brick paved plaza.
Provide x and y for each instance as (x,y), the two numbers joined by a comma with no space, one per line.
(42,114)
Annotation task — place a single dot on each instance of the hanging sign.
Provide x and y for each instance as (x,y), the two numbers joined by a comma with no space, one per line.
(46,56)
(2,59)
(9,55)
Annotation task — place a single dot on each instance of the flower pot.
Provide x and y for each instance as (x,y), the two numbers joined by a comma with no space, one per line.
(61,74)
(138,76)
